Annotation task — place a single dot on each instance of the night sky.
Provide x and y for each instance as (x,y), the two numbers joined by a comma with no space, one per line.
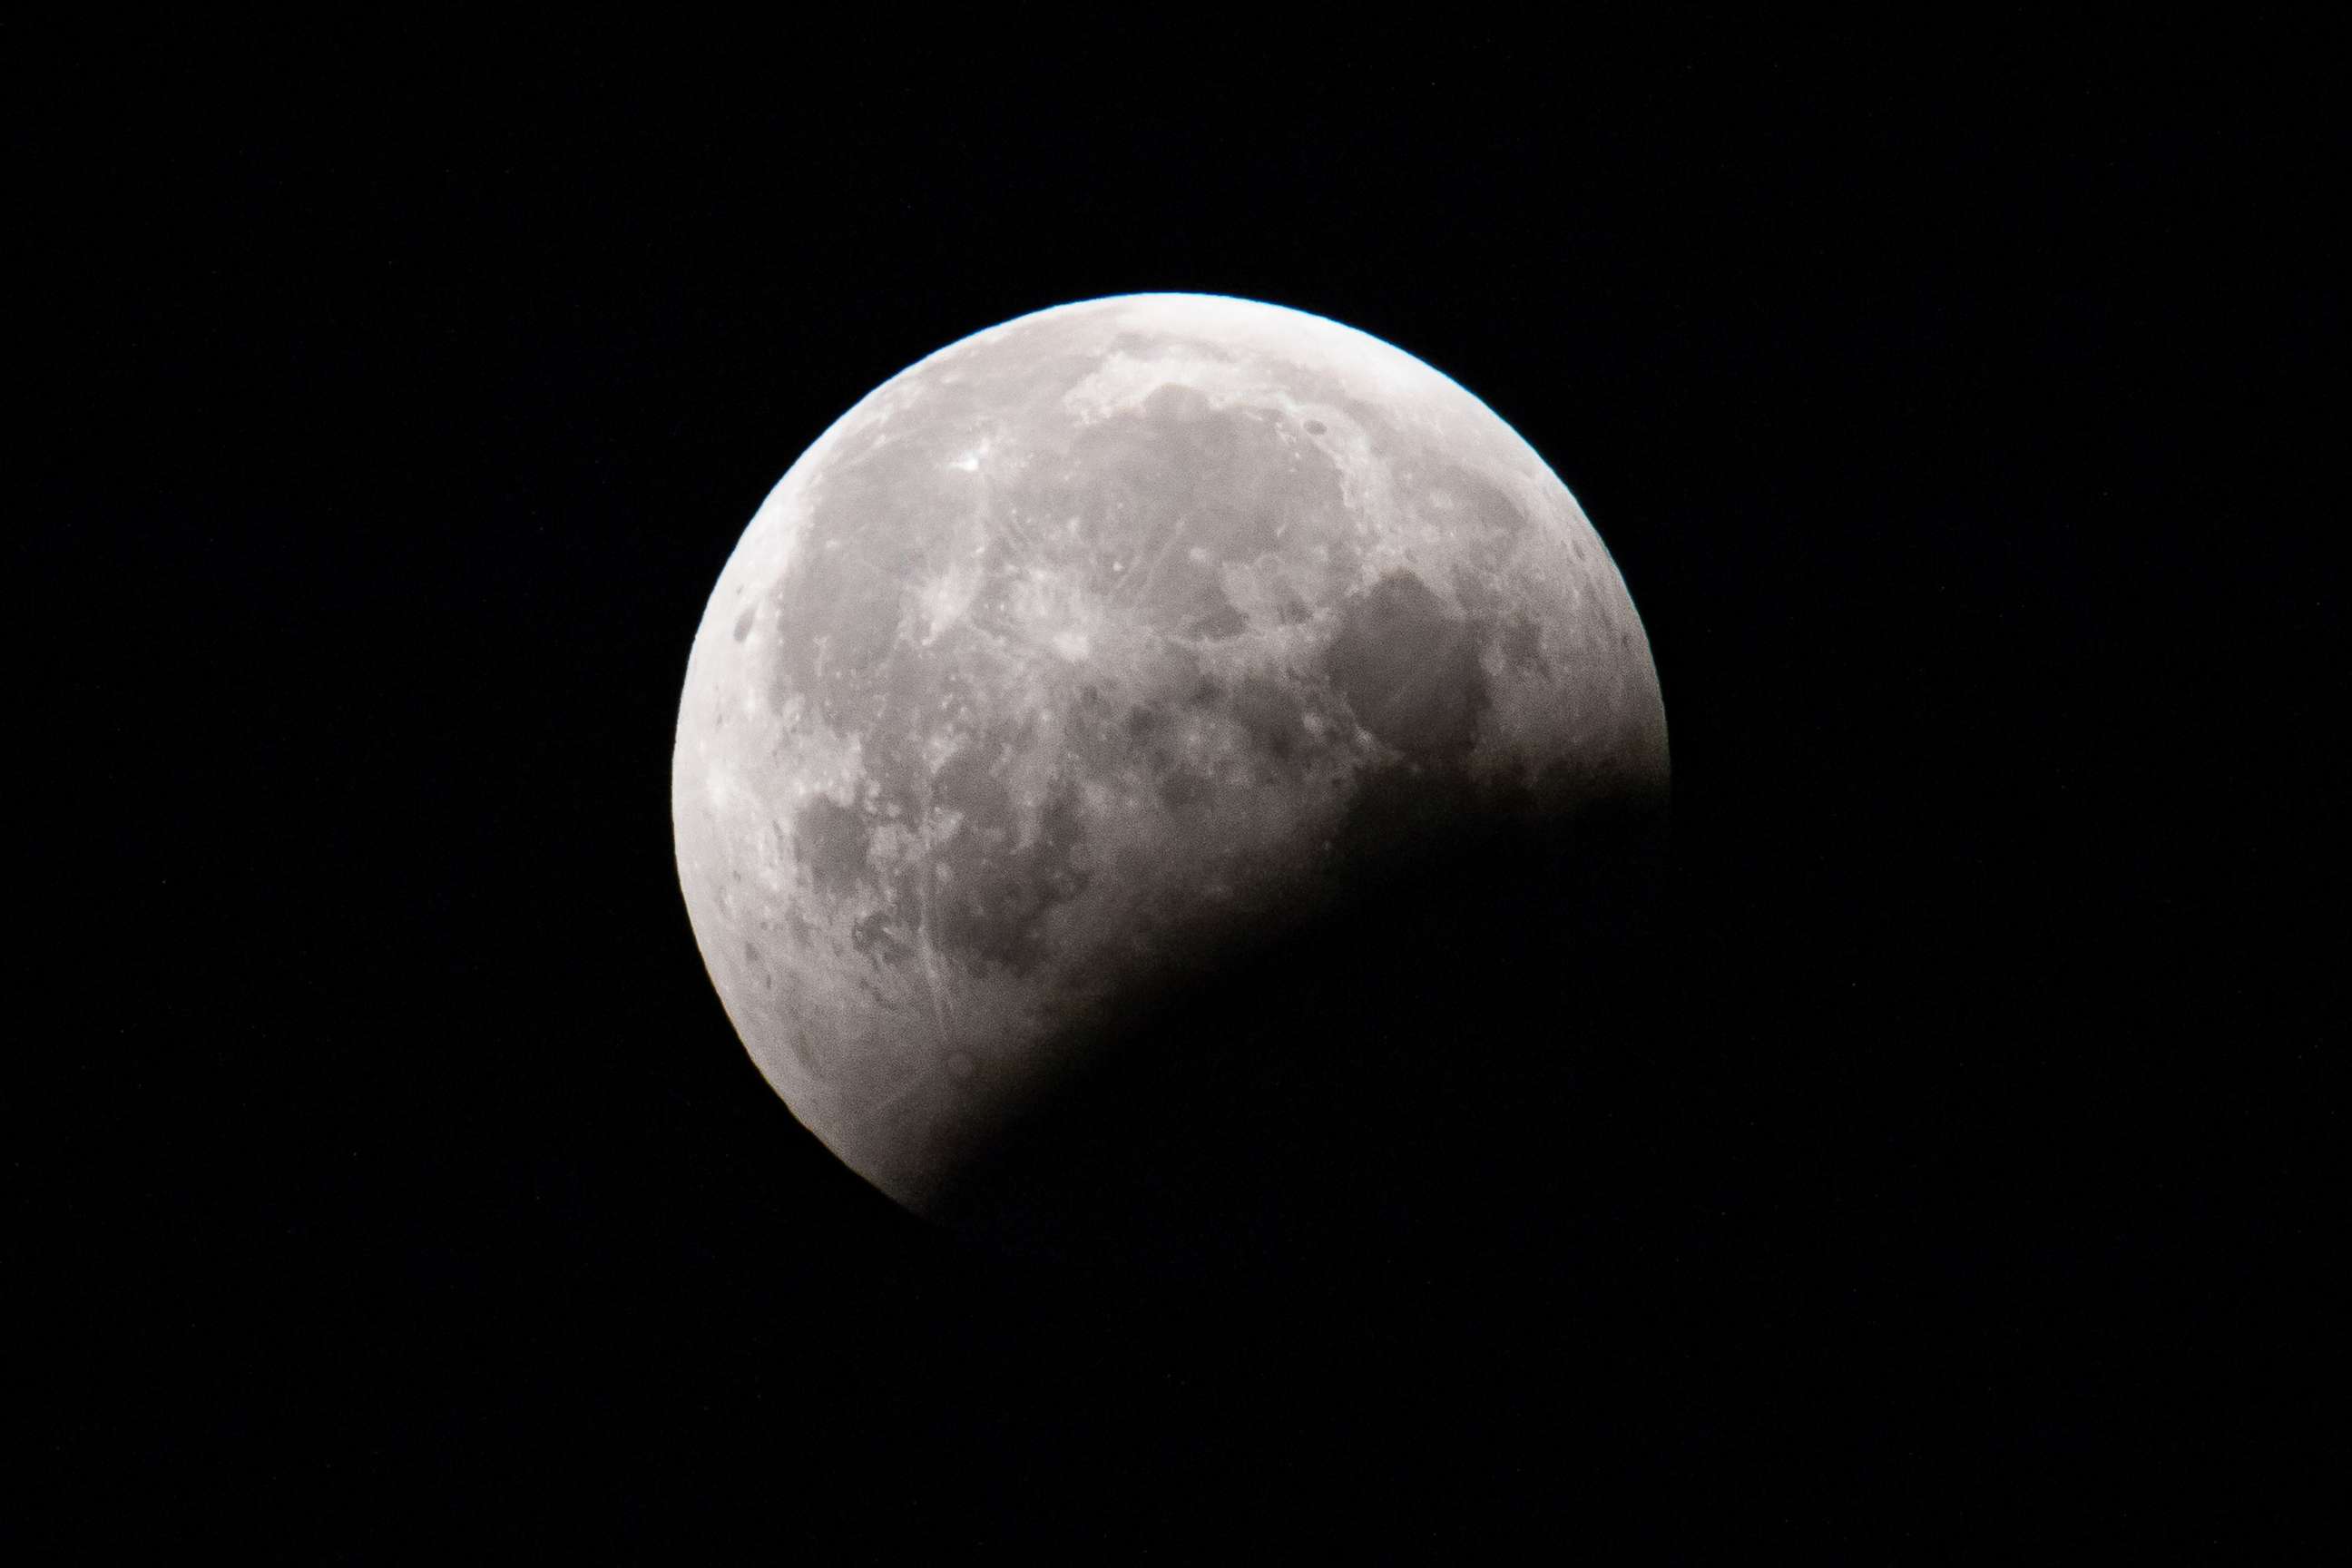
(1941,1158)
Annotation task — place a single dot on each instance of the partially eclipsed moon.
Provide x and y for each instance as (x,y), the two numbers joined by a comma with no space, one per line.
(1094,649)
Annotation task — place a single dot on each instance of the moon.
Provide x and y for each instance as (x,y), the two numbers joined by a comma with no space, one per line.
(1097,652)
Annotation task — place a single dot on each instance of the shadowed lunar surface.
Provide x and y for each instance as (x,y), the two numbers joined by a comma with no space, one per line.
(1102,667)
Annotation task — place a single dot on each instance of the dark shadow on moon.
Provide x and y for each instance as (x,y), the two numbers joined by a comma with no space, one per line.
(1379,1088)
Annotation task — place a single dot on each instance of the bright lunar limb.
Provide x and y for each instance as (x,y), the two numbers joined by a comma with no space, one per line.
(1097,648)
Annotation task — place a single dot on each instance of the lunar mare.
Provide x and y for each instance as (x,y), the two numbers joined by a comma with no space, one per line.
(1095,646)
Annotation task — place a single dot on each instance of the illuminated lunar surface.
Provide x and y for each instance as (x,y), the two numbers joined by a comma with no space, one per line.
(1100,649)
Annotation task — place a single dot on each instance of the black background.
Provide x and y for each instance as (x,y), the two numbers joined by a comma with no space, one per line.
(1944,1160)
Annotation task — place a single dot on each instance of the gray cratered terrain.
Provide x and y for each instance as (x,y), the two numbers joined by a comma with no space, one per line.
(1100,649)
